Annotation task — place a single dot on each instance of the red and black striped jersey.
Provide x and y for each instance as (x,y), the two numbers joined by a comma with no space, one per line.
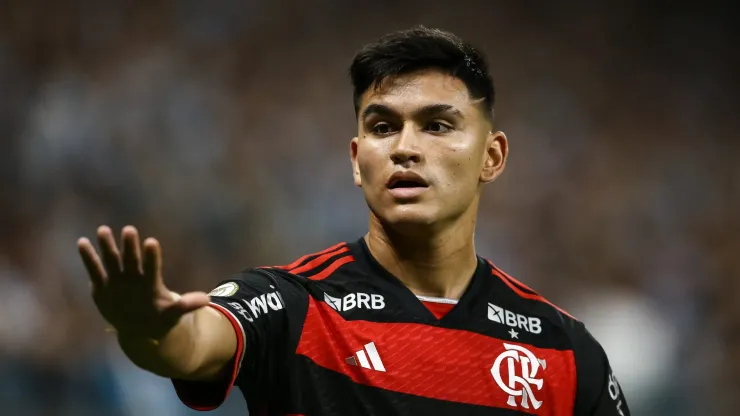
(334,333)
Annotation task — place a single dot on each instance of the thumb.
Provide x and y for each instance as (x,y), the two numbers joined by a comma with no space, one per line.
(192,301)
(184,304)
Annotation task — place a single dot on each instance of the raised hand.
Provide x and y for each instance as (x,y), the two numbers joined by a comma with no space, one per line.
(128,288)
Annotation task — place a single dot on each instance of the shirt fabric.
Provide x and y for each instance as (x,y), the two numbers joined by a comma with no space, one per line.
(334,333)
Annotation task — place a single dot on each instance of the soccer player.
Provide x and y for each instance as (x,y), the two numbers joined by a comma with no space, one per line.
(406,320)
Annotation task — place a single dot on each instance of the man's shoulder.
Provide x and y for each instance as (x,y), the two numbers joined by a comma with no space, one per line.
(302,276)
(319,265)
(521,298)
(316,266)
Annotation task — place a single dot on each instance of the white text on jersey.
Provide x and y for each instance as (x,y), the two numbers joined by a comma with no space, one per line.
(259,305)
(502,316)
(355,300)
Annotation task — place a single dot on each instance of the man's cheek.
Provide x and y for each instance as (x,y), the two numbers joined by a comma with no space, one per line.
(368,172)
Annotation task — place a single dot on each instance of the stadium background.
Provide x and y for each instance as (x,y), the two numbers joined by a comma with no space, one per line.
(221,127)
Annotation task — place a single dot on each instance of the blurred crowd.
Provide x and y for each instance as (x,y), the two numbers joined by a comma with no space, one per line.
(222,128)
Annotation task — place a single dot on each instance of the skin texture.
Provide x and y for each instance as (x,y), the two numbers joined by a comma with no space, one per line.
(426,123)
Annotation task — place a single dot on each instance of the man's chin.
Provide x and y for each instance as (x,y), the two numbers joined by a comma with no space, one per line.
(407,217)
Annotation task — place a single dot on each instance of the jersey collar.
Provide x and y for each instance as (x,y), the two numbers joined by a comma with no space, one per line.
(472,296)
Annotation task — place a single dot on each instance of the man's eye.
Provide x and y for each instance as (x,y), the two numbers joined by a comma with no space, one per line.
(437,127)
(382,129)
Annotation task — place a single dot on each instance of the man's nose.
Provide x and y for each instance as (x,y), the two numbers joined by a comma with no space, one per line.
(406,147)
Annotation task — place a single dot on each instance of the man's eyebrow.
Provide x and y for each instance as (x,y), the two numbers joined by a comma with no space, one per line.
(427,110)
(379,109)
(433,109)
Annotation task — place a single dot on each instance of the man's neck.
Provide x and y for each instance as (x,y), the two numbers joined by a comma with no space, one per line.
(440,265)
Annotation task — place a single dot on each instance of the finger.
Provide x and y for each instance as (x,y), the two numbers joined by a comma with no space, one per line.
(131,250)
(109,251)
(152,259)
(92,262)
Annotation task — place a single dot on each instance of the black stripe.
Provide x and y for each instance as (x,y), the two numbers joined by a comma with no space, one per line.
(323,392)
(318,269)
(311,257)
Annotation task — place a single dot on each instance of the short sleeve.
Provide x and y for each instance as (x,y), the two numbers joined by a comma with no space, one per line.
(260,304)
(598,392)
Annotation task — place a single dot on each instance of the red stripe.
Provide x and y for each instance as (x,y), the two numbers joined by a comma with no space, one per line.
(533,296)
(332,268)
(206,396)
(318,261)
(434,362)
(303,258)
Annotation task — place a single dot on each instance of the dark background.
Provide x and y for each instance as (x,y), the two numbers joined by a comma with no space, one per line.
(223,127)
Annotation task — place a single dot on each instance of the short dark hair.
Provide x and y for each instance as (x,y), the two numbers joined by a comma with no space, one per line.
(420,48)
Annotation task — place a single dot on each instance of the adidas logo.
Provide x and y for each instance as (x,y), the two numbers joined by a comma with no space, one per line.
(361,356)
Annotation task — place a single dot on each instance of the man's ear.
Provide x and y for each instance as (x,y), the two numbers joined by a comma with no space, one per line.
(353,148)
(497,150)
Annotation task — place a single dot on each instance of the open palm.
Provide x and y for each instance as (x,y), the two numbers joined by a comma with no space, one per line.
(128,288)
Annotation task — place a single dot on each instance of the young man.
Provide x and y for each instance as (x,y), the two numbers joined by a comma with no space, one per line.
(406,320)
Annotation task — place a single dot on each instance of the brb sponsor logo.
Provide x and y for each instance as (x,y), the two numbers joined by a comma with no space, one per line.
(502,316)
(522,366)
(355,300)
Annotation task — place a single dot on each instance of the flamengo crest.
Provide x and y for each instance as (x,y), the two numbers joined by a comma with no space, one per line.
(522,367)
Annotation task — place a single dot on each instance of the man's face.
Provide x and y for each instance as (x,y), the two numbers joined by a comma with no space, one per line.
(423,150)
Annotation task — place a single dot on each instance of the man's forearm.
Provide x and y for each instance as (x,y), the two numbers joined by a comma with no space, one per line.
(197,348)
